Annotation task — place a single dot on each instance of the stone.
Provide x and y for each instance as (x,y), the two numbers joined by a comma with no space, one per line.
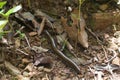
(102,20)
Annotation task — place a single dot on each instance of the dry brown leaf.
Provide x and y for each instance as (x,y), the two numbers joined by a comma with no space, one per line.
(21,77)
(12,69)
(73,32)
(29,67)
(116,61)
(39,49)
(58,26)
(25,60)
(56,78)
(17,43)
(47,70)
(32,34)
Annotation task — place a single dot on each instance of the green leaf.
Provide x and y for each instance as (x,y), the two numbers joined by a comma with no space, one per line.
(1,35)
(1,13)
(2,4)
(2,24)
(13,10)
(22,35)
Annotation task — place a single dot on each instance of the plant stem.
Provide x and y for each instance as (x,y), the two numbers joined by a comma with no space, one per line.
(29,3)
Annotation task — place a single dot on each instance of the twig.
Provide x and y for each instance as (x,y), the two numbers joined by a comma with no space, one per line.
(27,41)
(114,56)
(99,41)
(93,72)
(21,51)
(19,30)
(41,27)
(46,78)
(105,52)
(93,34)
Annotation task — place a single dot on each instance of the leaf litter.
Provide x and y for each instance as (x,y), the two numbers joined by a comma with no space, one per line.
(34,58)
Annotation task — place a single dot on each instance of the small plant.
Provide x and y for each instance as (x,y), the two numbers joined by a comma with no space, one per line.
(21,35)
(29,3)
(5,16)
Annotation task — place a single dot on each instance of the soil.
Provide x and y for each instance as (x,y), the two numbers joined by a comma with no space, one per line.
(28,54)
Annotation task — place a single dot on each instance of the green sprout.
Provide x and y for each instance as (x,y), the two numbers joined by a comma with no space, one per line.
(5,16)
(21,35)
(2,4)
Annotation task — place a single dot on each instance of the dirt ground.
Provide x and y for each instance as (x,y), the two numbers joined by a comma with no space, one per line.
(29,52)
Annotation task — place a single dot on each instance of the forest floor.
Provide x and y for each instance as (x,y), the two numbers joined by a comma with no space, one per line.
(29,52)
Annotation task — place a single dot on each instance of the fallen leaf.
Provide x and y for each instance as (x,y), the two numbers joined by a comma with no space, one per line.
(47,70)
(21,77)
(17,43)
(12,69)
(57,78)
(29,67)
(58,26)
(28,16)
(76,29)
(32,34)
(40,68)
(116,61)
(39,49)
(26,74)
(80,61)
(25,60)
